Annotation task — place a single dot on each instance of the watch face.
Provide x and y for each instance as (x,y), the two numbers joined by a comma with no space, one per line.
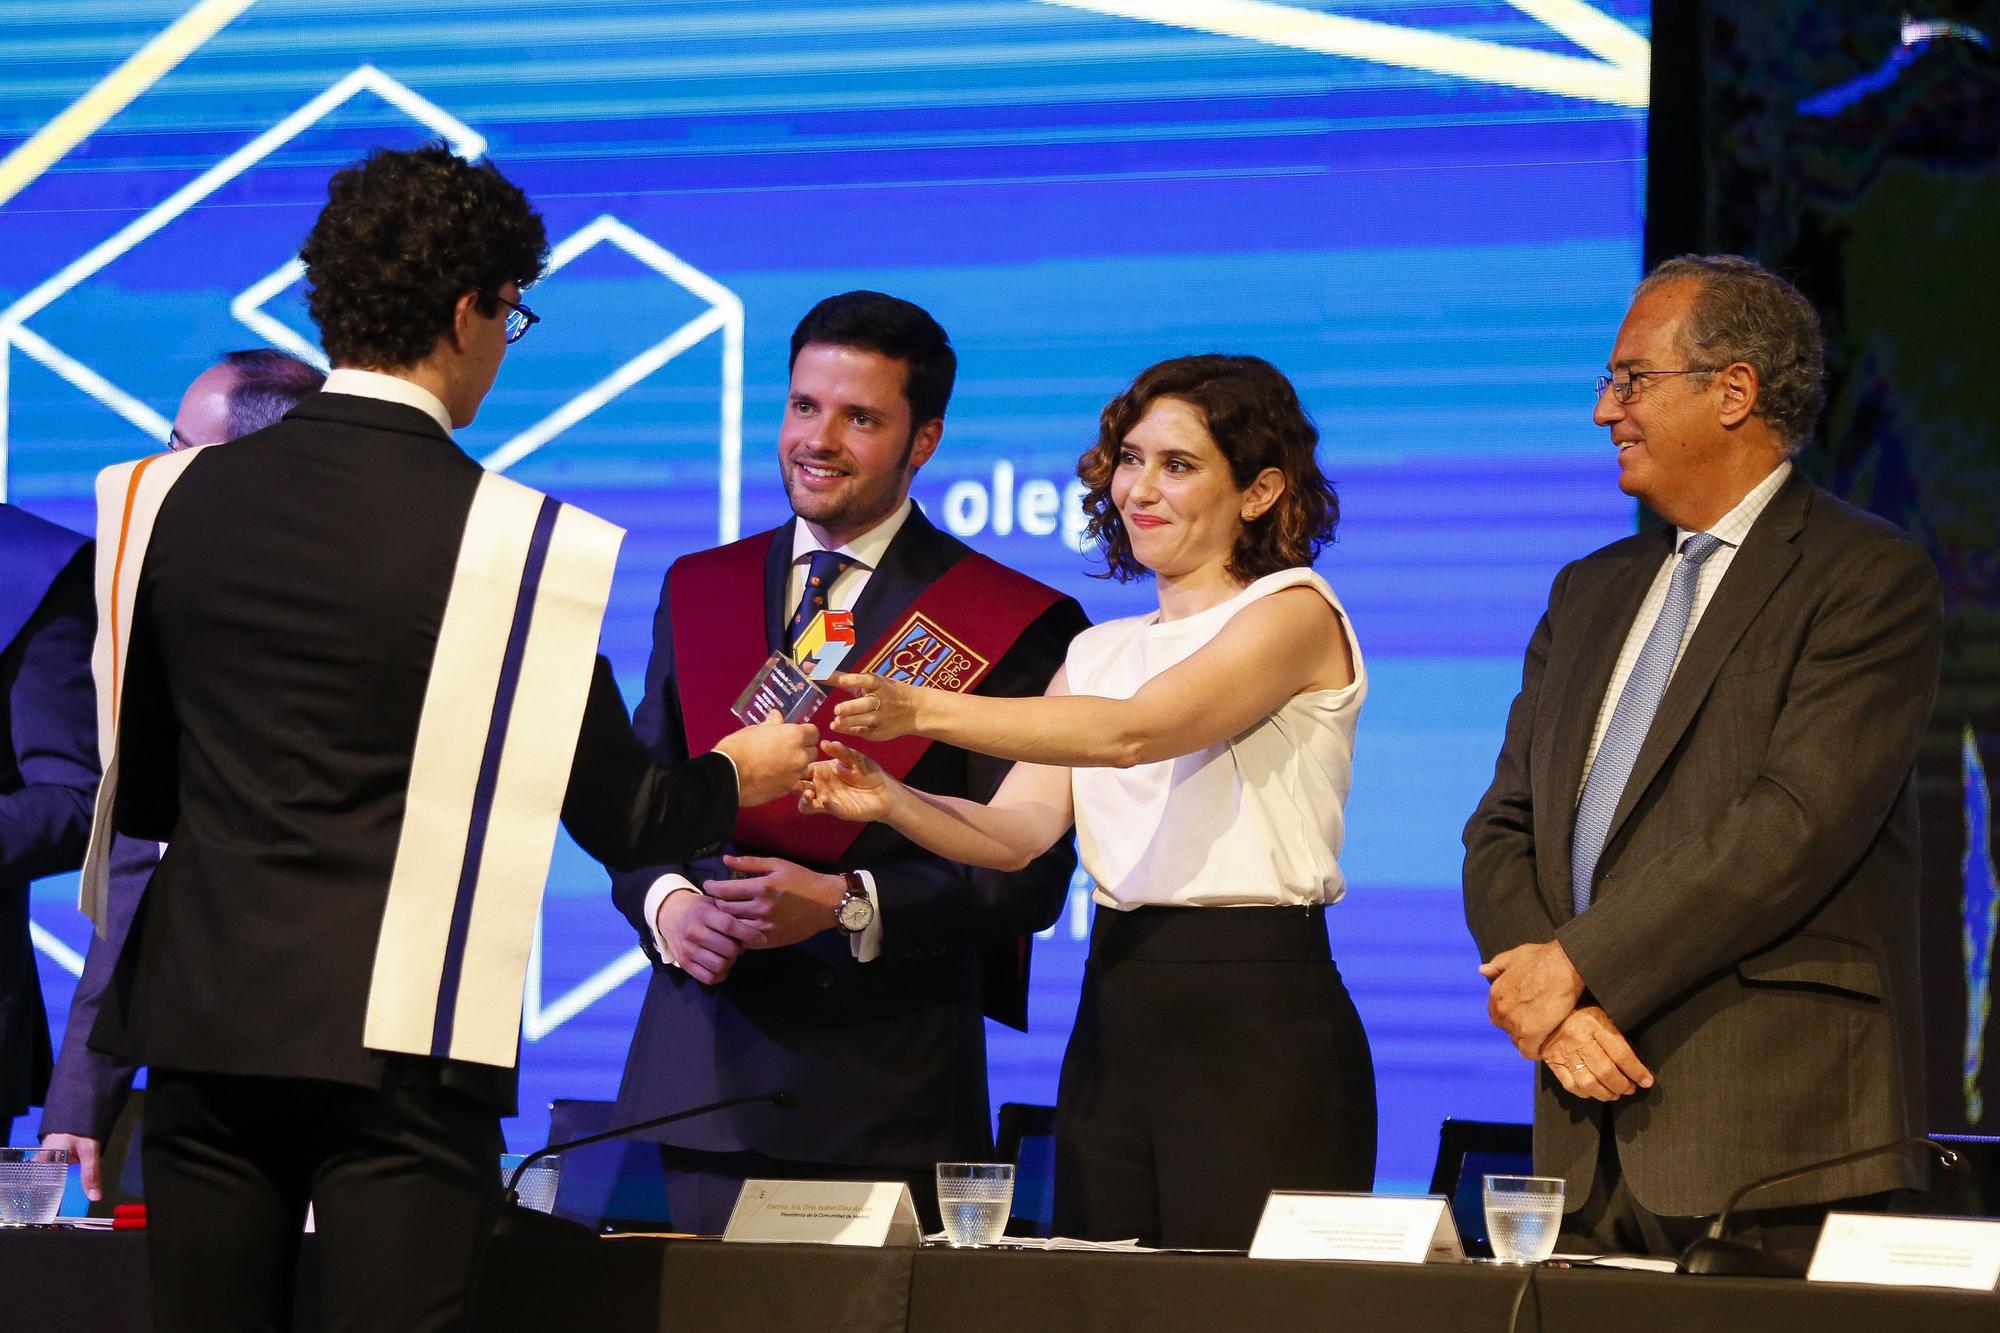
(855,914)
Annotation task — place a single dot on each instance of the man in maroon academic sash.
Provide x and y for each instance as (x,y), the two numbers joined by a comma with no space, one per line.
(836,962)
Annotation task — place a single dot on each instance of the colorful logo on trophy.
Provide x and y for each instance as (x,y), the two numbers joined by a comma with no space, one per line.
(919,653)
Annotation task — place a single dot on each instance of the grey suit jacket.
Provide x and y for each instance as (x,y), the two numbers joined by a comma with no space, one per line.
(1753,929)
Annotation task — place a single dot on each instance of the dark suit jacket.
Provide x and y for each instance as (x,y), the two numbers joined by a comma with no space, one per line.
(887,1059)
(88,1088)
(1754,925)
(281,643)
(48,765)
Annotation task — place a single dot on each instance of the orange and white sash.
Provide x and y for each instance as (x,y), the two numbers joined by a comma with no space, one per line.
(128,500)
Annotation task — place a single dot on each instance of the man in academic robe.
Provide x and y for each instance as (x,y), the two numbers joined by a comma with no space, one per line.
(863,990)
(351,680)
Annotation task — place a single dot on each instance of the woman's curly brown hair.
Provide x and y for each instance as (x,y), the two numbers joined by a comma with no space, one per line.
(1254,417)
(402,237)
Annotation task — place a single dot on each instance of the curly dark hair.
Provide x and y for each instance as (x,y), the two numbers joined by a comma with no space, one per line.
(402,237)
(1254,417)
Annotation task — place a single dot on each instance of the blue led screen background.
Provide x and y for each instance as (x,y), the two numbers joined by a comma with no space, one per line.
(1428,215)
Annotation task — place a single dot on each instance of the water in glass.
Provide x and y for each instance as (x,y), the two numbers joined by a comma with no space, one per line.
(31,1185)
(1523,1215)
(974,1199)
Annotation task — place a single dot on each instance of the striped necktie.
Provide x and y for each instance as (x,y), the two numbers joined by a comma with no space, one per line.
(1632,719)
(825,568)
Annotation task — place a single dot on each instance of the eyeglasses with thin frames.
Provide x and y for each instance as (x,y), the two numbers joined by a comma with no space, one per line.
(519,318)
(1625,386)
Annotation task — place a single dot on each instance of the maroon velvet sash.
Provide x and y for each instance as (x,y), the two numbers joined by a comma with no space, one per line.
(948,638)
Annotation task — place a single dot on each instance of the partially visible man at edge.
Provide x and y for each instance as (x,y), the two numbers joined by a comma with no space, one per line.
(842,964)
(1694,876)
(360,685)
(240,394)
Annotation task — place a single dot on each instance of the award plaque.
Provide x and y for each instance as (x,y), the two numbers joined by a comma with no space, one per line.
(779,687)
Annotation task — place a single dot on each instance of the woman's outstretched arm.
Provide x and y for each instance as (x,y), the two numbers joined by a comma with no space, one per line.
(1281,645)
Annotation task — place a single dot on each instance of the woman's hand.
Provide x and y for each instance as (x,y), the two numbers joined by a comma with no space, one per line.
(881,709)
(847,785)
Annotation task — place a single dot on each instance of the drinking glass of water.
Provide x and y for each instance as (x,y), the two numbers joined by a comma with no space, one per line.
(1523,1214)
(31,1185)
(537,1189)
(975,1198)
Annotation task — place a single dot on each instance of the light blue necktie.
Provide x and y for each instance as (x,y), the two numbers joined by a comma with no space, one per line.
(1632,719)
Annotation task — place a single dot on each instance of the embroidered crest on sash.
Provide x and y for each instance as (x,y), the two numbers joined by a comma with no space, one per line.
(920,653)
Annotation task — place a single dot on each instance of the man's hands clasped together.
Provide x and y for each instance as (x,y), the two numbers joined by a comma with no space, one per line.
(1534,1000)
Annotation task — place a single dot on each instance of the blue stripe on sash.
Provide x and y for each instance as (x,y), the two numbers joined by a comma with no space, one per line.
(489,777)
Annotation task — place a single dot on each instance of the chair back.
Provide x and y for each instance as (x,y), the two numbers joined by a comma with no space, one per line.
(616,1184)
(1027,1138)
(1469,1150)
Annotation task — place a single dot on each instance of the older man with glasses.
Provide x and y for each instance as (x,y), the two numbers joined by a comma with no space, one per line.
(1694,876)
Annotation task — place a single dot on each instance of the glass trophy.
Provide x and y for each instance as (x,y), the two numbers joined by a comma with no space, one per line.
(792,689)
(781,687)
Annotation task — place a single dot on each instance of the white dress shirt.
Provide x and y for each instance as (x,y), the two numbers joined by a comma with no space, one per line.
(866,551)
(388,389)
(1730,530)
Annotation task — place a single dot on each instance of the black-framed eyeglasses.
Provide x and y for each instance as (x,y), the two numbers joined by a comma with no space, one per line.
(519,318)
(1626,384)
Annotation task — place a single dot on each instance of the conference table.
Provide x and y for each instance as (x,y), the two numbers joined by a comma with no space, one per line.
(96,1281)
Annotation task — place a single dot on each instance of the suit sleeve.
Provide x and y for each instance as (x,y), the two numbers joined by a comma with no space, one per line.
(658,728)
(89,1088)
(627,810)
(1503,906)
(928,902)
(52,722)
(1842,750)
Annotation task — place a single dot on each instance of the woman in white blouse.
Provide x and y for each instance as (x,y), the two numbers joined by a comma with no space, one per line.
(1204,754)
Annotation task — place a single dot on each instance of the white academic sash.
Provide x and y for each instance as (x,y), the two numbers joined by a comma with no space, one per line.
(495,743)
(128,500)
(498,735)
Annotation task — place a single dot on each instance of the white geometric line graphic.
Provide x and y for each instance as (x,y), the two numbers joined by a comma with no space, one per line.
(1620,76)
(83,377)
(537,1022)
(724,315)
(67,958)
(14,318)
(247,307)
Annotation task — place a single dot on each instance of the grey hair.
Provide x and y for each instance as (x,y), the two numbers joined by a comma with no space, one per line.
(1744,312)
(269,383)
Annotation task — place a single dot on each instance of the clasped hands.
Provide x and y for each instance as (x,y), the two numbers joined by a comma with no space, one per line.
(769,903)
(1534,1000)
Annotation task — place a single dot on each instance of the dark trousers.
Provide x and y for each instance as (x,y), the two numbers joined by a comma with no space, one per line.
(404,1183)
(702,1186)
(1216,1057)
(1612,1221)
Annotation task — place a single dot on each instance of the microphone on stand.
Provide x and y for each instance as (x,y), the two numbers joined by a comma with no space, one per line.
(518,1220)
(1712,1256)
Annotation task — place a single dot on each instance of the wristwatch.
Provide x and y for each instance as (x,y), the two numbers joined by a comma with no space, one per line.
(856,910)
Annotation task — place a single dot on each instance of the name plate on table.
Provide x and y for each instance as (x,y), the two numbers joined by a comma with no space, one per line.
(874,1213)
(1368,1228)
(1889,1251)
